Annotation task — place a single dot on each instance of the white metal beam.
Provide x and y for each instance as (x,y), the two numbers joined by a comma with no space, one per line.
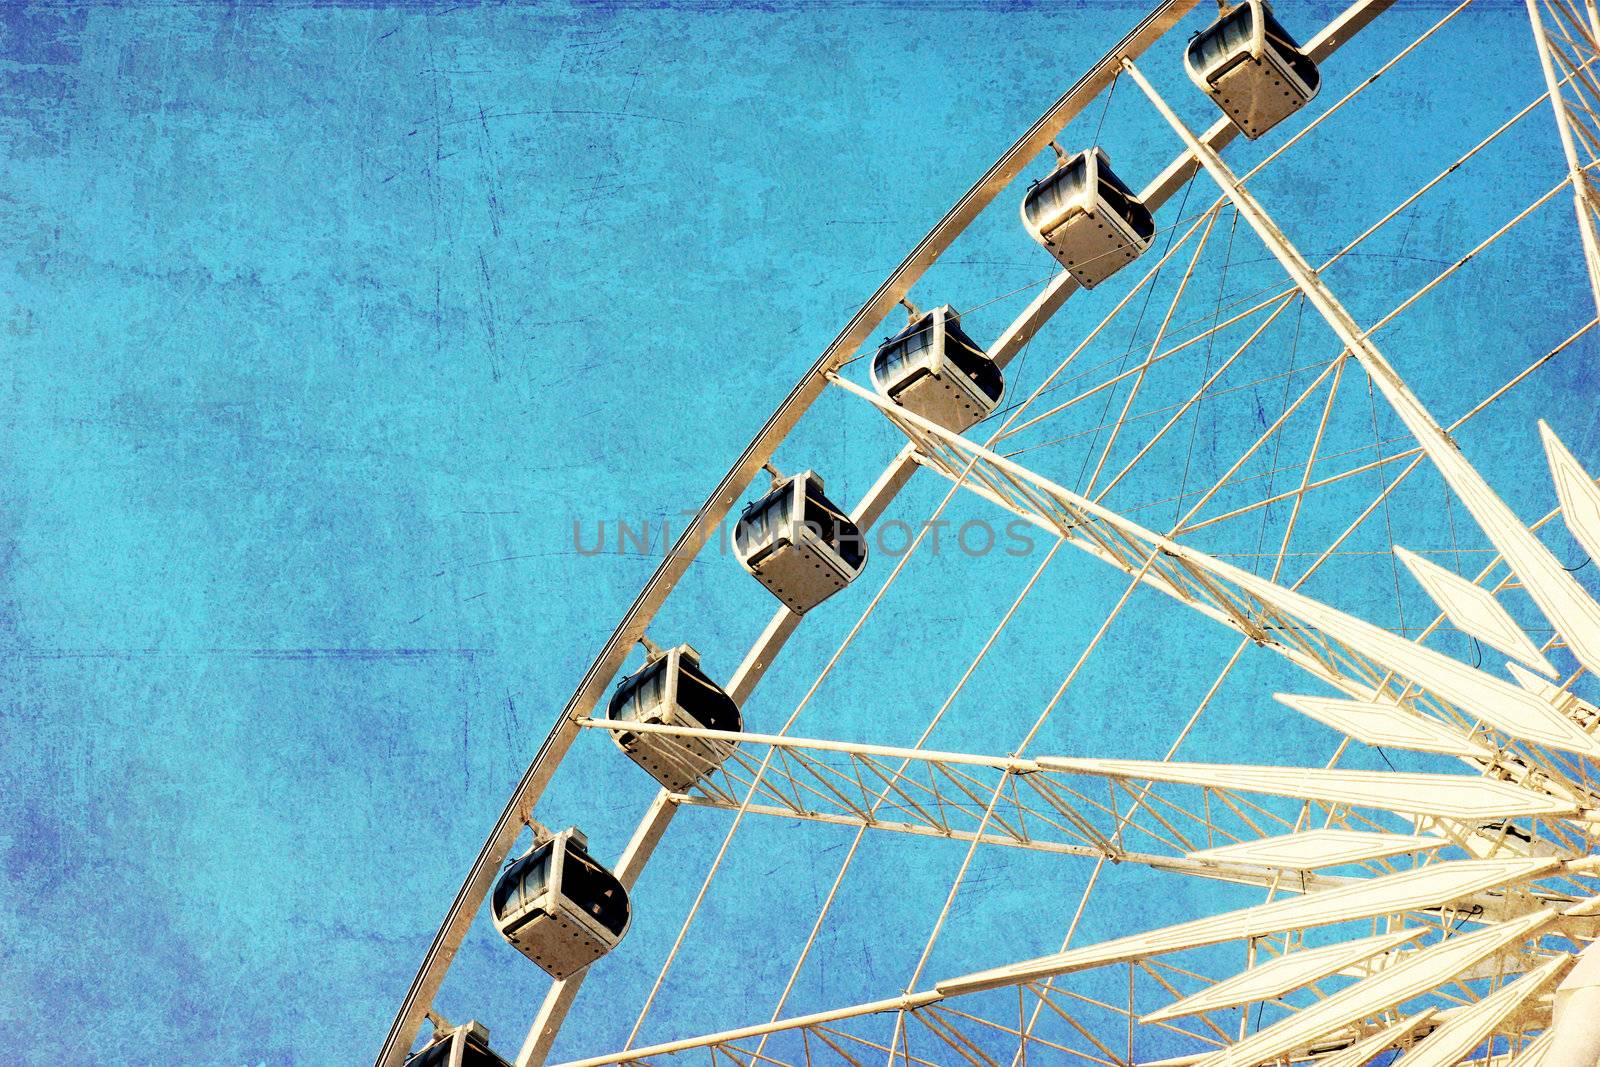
(1582,203)
(1555,591)
(1363,660)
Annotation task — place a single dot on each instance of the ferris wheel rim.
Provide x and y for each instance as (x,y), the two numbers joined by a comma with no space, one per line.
(622,632)
(402,1031)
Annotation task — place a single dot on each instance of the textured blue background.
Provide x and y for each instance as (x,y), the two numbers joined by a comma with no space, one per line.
(323,325)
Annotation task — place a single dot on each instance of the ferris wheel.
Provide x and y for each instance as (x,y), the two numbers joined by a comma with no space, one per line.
(1227,443)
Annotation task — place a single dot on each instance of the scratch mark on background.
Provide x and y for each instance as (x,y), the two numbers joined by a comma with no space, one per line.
(486,310)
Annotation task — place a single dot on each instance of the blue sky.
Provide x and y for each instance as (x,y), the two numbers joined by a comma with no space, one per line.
(325,325)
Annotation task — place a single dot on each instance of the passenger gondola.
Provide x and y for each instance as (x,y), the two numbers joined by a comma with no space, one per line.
(671,690)
(559,907)
(1089,220)
(798,544)
(457,1046)
(934,369)
(1247,62)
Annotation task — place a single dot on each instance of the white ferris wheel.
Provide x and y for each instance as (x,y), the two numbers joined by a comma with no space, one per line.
(1226,802)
